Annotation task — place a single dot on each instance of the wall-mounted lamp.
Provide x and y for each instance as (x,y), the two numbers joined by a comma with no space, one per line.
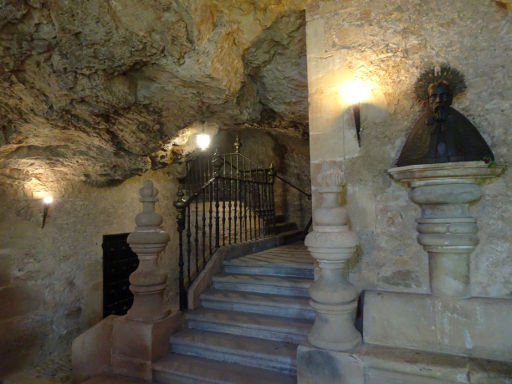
(353,92)
(203,141)
(47,200)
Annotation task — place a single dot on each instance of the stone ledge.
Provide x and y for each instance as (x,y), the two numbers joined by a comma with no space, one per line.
(475,327)
(372,364)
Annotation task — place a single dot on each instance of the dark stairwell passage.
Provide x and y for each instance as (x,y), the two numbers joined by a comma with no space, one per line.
(248,325)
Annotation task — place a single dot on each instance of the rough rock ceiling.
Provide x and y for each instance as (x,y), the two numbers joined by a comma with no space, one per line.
(91,88)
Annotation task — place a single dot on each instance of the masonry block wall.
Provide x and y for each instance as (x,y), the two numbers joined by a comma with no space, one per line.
(388,44)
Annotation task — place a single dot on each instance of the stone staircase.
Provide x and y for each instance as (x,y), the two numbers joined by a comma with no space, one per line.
(248,325)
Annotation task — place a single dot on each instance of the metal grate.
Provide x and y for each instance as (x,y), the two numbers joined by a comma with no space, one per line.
(119,261)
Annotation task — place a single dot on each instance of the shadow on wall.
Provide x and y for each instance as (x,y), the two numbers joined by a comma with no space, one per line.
(20,335)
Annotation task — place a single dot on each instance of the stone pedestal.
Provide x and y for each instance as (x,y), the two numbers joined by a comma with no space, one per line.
(333,298)
(136,344)
(447,231)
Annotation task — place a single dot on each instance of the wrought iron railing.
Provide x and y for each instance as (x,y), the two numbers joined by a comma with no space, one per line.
(307,194)
(224,199)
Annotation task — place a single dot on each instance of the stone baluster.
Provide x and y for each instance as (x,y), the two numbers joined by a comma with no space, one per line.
(332,243)
(148,283)
(447,230)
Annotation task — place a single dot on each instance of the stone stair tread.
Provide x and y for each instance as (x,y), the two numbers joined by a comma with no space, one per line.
(263,279)
(238,345)
(212,371)
(251,320)
(281,261)
(295,307)
(257,298)
(266,262)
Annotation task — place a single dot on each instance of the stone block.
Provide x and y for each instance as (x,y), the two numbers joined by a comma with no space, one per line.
(320,366)
(137,343)
(91,351)
(477,327)
(315,37)
(19,340)
(18,301)
(371,364)
(324,147)
(16,333)
(6,263)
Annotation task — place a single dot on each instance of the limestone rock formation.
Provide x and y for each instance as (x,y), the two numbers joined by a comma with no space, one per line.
(89,90)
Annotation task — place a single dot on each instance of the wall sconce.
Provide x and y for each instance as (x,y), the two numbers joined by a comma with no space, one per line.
(203,141)
(353,92)
(47,200)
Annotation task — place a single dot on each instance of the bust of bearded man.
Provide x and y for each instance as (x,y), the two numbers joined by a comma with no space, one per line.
(443,134)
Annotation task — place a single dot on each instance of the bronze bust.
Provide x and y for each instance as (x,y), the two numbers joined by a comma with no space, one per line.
(442,134)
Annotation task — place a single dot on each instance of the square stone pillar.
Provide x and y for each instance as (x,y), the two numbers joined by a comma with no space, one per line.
(136,344)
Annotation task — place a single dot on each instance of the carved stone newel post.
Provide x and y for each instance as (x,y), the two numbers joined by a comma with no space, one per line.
(142,336)
(147,241)
(332,243)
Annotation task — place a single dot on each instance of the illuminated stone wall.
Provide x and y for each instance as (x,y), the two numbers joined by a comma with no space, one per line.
(387,45)
(51,278)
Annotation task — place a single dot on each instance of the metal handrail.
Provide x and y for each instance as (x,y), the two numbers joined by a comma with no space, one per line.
(230,204)
(229,207)
(308,195)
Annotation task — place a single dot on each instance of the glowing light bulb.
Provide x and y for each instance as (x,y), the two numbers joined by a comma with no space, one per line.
(203,141)
(354,91)
(47,200)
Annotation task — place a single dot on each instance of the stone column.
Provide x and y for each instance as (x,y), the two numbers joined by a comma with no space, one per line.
(447,231)
(142,336)
(332,243)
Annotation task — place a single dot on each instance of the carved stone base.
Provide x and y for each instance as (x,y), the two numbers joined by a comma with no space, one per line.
(138,343)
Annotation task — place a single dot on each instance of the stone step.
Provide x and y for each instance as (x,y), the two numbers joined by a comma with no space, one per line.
(285,227)
(265,354)
(249,324)
(274,268)
(287,286)
(276,305)
(180,369)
